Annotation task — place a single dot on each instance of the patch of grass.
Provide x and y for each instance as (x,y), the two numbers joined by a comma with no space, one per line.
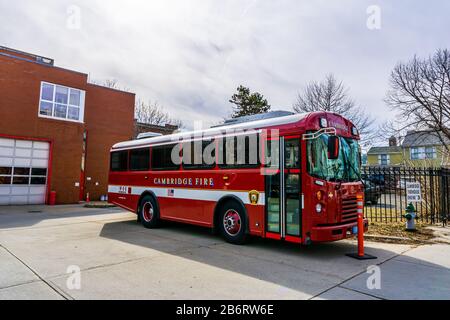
(99,205)
(395,232)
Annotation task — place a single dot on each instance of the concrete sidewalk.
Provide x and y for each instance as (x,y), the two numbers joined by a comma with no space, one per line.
(119,259)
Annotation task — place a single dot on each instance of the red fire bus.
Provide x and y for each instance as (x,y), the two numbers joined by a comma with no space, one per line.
(293,178)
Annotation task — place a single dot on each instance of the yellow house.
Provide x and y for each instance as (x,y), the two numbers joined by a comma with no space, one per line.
(426,149)
(419,149)
(385,156)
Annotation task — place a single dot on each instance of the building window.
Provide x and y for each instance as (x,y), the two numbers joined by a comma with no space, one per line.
(61,102)
(384,159)
(423,153)
(415,153)
(23,176)
(430,153)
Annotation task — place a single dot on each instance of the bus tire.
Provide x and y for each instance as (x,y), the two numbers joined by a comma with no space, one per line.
(149,212)
(233,223)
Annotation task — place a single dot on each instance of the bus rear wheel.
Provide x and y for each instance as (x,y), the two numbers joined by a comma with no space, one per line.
(232,223)
(149,213)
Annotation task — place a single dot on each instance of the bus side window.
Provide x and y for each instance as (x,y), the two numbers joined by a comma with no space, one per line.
(119,161)
(239,152)
(140,160)
(199,155)
(162,158)
(292,154)
(272,154)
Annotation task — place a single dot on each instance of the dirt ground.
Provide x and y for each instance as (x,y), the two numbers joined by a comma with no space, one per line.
(395,232)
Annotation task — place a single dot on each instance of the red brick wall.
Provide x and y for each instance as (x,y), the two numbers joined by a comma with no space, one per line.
(108,119)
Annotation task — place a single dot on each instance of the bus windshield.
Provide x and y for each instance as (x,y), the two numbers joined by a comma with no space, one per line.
(347,168)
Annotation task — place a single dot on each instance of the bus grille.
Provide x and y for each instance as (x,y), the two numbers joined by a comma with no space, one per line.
(349,210)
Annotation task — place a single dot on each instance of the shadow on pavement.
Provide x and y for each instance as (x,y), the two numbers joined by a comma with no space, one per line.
(304,269)
(27,216)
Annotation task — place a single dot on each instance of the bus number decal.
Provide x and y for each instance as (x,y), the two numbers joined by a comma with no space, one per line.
(124,190)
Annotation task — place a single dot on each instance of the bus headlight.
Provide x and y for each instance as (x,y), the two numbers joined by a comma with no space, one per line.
(318,208)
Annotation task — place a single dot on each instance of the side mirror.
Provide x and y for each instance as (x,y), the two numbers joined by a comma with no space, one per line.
(333,147)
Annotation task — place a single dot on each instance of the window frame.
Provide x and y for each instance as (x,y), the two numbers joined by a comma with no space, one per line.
(81,107)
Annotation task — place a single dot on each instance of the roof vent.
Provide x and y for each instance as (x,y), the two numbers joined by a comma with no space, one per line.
(44,60)
(256,117)
(147,135)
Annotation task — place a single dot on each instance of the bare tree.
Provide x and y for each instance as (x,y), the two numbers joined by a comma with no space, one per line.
(110,83)
(145,112)
(420,92)
(153,113)
(331,95)
(390,129)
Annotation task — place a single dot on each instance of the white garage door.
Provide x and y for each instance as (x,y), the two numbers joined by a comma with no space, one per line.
(23,171)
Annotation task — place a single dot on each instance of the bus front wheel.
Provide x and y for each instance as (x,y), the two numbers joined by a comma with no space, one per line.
(149,213)
(233,223)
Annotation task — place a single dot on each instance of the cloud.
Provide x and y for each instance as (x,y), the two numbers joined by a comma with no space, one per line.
(190,55)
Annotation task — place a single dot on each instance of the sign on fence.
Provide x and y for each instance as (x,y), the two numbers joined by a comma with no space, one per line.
(413,192)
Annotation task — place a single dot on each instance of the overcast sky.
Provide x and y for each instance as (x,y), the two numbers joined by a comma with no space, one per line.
(191,55)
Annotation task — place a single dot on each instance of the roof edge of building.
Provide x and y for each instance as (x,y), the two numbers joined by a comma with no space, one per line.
(390,150)
(113,89)
(10,56)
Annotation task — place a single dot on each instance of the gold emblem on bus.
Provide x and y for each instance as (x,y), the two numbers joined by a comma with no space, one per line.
(253,197)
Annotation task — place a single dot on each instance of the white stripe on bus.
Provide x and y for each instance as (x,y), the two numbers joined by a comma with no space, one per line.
(188,194)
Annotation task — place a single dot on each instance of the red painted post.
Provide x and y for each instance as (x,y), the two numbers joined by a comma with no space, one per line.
(52,198)
(360,210)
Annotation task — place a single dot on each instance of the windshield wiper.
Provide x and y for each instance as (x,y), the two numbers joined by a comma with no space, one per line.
(347,162)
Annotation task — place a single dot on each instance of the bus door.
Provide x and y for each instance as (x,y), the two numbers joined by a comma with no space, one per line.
(283,189)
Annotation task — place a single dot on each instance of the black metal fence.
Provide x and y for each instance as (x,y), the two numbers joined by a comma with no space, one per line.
(386,193)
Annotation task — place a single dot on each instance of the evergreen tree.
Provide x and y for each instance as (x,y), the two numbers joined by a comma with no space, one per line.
(247,103)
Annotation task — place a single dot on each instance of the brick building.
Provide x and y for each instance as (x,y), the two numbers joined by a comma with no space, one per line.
(144,128)
(56,130)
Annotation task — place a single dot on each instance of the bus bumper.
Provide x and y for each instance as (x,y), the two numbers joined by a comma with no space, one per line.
(335,232)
